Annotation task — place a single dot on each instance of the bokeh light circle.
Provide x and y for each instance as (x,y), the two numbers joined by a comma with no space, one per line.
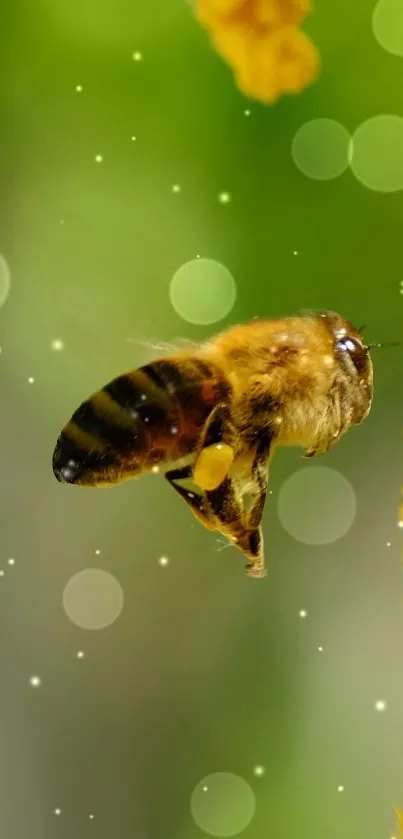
(321,149)
(4,280)
(93,599)
(387,25)
(202,291)
(317,505)
(377,153)
(223,804)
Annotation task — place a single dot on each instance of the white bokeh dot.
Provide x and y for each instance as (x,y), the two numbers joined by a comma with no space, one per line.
(223,804)
(317,505)
(56,344)
(321,149)
(202,291)
(4,280)
(377,153)
(93,599)
(387,25)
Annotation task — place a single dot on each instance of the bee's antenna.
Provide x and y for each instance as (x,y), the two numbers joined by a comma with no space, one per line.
(360,329)
(388,344)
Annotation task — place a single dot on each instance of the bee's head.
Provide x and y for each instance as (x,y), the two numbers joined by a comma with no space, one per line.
(352,354)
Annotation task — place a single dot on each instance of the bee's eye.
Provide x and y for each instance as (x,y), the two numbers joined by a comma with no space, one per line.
(356,352)
(349,345)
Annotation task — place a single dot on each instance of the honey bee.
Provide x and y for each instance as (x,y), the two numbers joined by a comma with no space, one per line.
(215,413)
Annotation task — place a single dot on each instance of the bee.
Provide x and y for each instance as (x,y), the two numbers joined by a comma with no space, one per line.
(214,414)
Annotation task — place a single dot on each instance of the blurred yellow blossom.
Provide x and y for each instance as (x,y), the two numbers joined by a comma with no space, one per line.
(254,14)
(261,41)
(399,814)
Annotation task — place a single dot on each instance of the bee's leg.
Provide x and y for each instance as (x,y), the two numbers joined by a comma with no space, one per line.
(253,535)
(320,450)
(218,427)
(215,451)
(196,502)
(251,543)
(333,433)
(229,513)
(222,510)
(261,479)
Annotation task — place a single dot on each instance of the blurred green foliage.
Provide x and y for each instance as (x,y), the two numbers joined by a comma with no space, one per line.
(204,671)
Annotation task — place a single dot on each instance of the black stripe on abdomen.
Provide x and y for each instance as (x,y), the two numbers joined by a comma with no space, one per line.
(125,393)
(168,375)
(143,395)
(114,435)
(142,398)
(206,371)
(156,377)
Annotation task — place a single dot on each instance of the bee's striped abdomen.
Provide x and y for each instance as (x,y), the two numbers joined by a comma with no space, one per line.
(140,419)
(195,387)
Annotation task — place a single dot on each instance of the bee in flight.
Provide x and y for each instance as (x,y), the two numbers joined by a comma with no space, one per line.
(215,413)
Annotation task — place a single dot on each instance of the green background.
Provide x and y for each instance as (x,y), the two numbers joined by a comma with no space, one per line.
(205,670)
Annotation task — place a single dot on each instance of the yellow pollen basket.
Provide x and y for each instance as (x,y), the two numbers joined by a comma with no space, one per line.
(213,465)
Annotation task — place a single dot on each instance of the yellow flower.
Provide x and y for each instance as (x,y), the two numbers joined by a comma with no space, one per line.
(277,12)
(284,61)
(222,8)
(260,40)
(256,14)
(399,814)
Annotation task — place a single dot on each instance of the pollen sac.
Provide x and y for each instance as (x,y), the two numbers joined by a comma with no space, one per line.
(213,465)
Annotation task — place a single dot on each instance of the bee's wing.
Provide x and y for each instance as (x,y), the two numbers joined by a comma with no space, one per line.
(157,346)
